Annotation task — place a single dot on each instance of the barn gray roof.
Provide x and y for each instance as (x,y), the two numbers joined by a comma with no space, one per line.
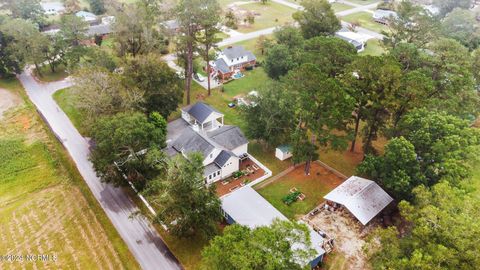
(362,197)
(229,137)
(200,111)
(100,29)
(222,158)
(191,141)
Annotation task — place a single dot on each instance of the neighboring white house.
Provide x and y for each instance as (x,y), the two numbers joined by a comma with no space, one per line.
(283,152)
(201,129)
(246,207)
(230,60)
(364,198)
(53,8)
(358,40)
(87,16)
(384,16)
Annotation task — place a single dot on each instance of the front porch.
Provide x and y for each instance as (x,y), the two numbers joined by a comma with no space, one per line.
(250,171)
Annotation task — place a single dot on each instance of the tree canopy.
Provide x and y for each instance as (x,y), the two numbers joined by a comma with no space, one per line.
(261,248)
(187,206)
(443,233)
(317,19)
(122,140)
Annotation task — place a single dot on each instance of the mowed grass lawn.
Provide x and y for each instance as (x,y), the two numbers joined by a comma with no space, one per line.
(337,7)
(45,207)
(365,20)
(271,15)
(46,74)
(314,186)
(66,100)
(373,48)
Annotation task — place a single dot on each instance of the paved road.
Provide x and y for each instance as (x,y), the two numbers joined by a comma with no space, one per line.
(141,238)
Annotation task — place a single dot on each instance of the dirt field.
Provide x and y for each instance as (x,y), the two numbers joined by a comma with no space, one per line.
(348,234)
(7,101)
(41,211)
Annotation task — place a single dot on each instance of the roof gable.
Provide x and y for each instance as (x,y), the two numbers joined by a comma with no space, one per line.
(200,111)
(191,141)
(222,158)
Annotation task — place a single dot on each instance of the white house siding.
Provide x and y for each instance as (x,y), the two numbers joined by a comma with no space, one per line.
(214,177)
(186,116)
(231,166)
(242,149)
(211,157)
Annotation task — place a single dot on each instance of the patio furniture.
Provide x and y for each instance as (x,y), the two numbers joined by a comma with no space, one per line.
(225,182)
(245,172)
(250,170)
(301,197)
(293,189)
(255,167)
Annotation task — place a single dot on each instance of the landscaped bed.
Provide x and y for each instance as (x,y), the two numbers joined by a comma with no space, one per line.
(314,187)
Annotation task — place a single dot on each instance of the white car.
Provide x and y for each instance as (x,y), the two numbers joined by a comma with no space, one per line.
(199,77)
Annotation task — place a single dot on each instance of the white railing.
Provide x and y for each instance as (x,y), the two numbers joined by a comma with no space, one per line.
(268,172)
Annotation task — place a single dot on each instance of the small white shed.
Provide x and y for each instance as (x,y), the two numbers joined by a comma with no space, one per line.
(283,152)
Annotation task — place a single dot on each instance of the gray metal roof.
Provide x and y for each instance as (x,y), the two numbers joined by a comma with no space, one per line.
(210,168)
(229,137)
(191,141)
(221,65)
(362,197)
(233,52)
(100,29)
(175,128)
(200,111)
(223,157)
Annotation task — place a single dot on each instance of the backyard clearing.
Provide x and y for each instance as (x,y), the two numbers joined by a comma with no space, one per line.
(365,20)
(348,234)
(45,208)
(7,100)
(266,15)
(314,186)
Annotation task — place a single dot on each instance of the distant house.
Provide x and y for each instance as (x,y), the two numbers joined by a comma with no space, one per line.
(87,16)
(384,16)
(363,198)
(172,26)
(248,208)
(283,152)
(53,8)
(231,60)
(201,129)
(358,41)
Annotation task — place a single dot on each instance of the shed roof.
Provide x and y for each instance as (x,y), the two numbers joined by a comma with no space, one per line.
(87,16)
(100,29)
(384,14)
(284,148)
(362,197)
(229,137)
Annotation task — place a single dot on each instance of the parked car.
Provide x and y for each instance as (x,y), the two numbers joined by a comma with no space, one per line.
(198,77)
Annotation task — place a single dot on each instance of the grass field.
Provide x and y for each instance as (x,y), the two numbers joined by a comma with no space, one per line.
(66,100)
(337,7)
(48,76)
(45,207)
(271,15)
(251,45)
(365,20)
(373,48)
(314,186)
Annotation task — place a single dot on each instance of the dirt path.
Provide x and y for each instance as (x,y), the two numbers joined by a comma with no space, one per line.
(7,100)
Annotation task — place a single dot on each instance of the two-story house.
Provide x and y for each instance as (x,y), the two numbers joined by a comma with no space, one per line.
(201,129)
(231,60)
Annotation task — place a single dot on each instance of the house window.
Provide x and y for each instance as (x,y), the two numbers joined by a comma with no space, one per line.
(210,177)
